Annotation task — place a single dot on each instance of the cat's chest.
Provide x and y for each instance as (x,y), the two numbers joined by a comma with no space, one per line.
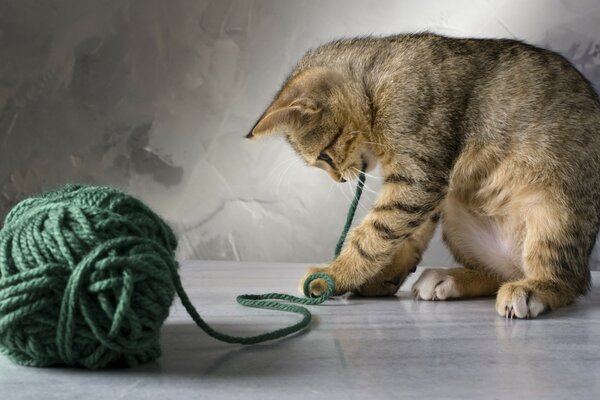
(491,241)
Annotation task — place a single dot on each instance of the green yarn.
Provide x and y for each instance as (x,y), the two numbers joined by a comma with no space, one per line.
(351,212)
(268,302)
(87,277)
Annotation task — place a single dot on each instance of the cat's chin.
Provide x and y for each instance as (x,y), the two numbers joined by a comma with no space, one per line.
(368,160)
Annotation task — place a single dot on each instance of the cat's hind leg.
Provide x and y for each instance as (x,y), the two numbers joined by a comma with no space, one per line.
(454,283)
(555,260)
(558,284)
(528,298)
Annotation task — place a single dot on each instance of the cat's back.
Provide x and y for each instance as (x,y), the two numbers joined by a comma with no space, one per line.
(519,92)
(523,91)
(475,58)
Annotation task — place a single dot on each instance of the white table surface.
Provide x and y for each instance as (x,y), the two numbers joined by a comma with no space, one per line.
(357,348)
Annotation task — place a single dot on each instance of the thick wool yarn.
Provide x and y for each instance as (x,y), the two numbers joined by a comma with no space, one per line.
(85,279)
(87,276)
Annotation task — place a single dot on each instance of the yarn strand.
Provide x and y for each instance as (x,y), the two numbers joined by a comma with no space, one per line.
(351,211)
(88,275)
(277,301)
(262,301)
(265,301)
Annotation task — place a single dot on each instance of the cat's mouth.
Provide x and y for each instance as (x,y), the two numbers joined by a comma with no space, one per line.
(368,161)
(355,170)
(364,163)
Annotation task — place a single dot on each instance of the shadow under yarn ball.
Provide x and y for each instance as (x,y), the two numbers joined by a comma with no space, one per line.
(88,274)
(86,279)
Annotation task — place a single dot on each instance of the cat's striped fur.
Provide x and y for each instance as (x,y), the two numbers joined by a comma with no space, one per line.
(498,138)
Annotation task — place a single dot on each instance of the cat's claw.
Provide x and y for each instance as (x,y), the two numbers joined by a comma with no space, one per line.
(509,312)
(515,300)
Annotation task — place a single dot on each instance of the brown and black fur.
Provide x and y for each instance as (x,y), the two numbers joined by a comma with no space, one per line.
(497,139)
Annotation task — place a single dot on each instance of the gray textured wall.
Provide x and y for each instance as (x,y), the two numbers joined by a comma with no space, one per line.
(154,97)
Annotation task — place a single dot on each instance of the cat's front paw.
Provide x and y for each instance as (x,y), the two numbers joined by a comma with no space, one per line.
(318,286)
(517,299)
(435,284)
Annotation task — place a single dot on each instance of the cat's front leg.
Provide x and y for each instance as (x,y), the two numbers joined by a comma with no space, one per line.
(404,205)
(404,262)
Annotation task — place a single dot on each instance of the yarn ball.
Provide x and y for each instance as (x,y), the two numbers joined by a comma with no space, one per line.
(86,279)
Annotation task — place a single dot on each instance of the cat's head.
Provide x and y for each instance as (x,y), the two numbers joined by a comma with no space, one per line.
(325,120)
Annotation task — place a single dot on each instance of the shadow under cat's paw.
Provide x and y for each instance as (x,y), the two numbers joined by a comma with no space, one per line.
(380,290)
(381,287)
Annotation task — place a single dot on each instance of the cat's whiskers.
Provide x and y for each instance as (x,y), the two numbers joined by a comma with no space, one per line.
(366,174)
(350,197)
(343,192)
(277,167)
(368,189)
(282,172)
(289,180)
(346,196)
(283,175)
(293,157)
(331,185)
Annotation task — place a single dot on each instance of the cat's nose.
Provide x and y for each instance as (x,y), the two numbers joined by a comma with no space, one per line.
(342,180)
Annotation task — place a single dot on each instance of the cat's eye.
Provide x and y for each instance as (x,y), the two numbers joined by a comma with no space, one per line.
(325,157)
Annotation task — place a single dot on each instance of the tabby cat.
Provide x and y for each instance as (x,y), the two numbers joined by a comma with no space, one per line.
(496,139)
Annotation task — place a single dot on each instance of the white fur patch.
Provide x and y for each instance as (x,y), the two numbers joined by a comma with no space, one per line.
(435,284)
(491,241)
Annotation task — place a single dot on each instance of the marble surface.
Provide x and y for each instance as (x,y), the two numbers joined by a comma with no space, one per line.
(154,96)
(357,348)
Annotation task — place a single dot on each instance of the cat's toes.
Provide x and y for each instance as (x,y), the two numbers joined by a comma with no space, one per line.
(435,284)
(316,287)
(516,300)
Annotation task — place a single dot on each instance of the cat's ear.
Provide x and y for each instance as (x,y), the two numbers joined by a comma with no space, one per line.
(280,118)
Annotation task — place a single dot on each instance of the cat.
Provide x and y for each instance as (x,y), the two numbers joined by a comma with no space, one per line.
(496,139)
